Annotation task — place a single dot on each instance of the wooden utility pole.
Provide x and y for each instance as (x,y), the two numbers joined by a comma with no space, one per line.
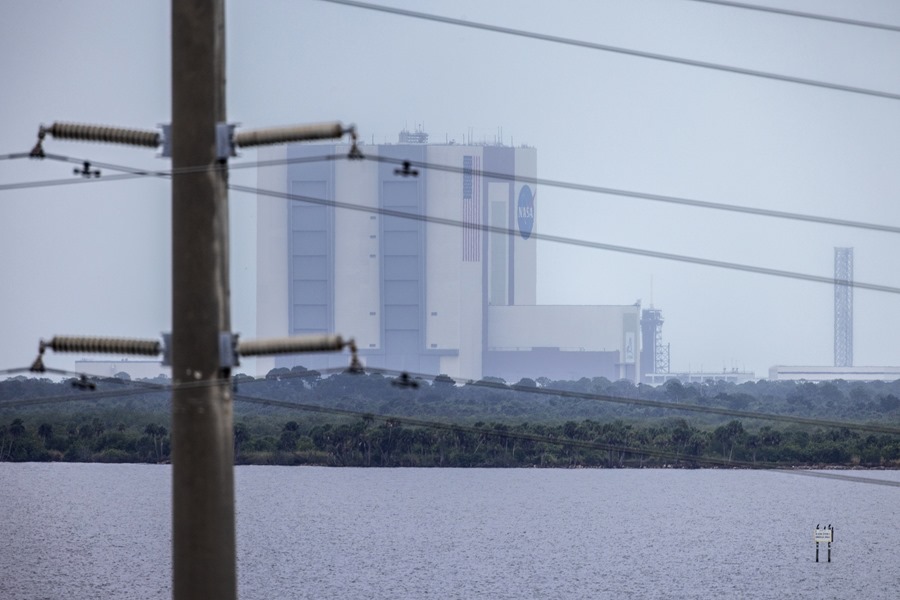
(201,350)
(203,522)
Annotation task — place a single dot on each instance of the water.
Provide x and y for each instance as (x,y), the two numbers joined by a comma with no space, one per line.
(103,531)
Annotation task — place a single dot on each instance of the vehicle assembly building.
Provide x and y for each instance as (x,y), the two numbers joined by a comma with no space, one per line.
(431,267)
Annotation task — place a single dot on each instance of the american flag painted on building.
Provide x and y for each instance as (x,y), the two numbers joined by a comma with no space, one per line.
(471,209)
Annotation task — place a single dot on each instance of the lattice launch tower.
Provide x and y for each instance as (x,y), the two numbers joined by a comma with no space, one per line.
(843,307)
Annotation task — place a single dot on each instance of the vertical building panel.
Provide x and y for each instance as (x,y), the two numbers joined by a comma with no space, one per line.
(272,269)
(403,261)
(454,298)
(311,256)
(525,193)
(498,244)
(357,253)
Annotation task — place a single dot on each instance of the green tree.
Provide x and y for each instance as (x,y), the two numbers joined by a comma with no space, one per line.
(157,434)
(241,435)
(45,431)
(728,436)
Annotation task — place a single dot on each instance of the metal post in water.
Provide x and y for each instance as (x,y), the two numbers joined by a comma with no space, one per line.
(831,539)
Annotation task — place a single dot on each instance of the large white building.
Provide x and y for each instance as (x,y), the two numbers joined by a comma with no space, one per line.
(433,273)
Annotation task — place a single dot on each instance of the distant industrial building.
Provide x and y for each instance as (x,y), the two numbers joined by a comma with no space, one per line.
(817,374)
(431,268)
(654,354)
(733,376)
(843,337)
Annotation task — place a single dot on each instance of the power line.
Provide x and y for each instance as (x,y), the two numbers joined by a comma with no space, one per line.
(555,238)
(678,406)
(534,391)
(644,403)
(707,262)
(69,181)
(802,14)
(15,155)
(581,187)
(136,173)
(78,397)
(615,49)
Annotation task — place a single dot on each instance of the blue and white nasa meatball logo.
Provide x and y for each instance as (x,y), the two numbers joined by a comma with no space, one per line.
(525,212)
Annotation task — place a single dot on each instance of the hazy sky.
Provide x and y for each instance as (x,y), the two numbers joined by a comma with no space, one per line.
(95,258)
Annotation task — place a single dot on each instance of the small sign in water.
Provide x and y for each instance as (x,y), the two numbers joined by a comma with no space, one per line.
(823,536)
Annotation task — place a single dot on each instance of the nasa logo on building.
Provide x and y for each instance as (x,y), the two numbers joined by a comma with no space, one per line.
(525,212)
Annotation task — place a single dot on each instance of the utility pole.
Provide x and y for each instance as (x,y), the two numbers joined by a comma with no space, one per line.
(203,522)
(201,349)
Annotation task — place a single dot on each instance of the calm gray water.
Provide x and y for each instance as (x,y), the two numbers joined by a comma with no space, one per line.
(103,531)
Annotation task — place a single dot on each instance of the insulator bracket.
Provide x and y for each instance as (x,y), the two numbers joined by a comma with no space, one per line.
(102,345)
(227,141)
(225,147)
(228,357)
(101,133)
(290,133)
(291,345)
(94,345)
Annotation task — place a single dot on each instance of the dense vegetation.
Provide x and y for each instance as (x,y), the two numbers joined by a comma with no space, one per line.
(370,420)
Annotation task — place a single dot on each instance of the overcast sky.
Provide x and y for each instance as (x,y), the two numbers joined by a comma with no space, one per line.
(95,258)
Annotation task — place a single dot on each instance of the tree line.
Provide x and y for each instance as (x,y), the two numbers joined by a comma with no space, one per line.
(478,424)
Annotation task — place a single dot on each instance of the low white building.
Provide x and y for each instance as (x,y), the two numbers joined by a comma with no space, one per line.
(732,376)
(816,374)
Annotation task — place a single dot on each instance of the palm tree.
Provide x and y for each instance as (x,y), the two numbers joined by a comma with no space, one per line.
(17,428)
(45,430)
(156,433)
(241,433)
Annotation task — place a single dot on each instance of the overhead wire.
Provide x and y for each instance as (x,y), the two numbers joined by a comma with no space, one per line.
(15,155)
(137,173)
(613,49)
(581,187)
(23,185)
(624,400)
(524,389)
(707,262)
(132,172)
(802,14)
(666,405)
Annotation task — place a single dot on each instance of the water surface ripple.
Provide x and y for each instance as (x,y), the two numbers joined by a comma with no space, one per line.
(104,531)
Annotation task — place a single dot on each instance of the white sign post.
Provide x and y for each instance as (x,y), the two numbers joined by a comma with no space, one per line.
(821,536)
